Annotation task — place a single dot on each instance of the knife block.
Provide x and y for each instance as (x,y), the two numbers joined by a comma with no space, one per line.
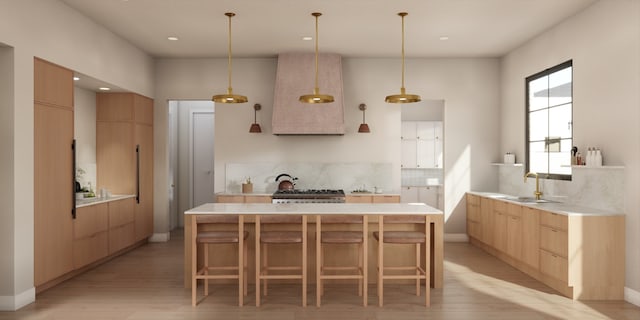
(247,188)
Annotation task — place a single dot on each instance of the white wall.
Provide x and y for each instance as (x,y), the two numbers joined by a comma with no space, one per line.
(469,88)
(54,32)
(604,43)
(84,131)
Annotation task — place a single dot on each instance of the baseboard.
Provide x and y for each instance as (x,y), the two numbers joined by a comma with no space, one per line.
(632,296)
(160,237)
(13,303)
(456,237)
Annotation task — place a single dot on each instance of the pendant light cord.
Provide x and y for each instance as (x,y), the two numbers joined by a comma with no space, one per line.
(229,42)
(316,89)
(403,15)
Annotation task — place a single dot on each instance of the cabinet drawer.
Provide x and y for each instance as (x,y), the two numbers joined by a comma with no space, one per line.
(121,212)
(121,237)
(90,220)
(553,220)
(358,199)
(229,199)
(257,199)
(554,241)
(554,265)
(386,199)
(499,206)
(90,249)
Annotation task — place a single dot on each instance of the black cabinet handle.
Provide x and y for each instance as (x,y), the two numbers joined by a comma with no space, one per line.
(137,173)
(73,178)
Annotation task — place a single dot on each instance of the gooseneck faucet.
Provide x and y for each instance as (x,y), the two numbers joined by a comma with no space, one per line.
(537,193)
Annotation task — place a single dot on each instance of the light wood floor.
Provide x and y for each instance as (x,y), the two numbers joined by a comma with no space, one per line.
(147,284)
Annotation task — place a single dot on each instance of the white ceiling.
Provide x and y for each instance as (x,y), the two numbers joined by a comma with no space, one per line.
(352,28)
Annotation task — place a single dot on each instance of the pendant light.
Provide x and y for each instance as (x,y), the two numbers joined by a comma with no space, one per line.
(403,97)
(229,97)
(255,126)
(316,97)
(364,127)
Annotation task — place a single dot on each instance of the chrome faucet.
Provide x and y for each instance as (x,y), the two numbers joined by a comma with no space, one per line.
(537,193)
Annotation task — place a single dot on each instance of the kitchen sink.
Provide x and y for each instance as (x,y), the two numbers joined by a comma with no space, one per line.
(529,200)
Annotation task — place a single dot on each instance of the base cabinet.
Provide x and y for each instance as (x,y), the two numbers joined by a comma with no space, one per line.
(90,235)
(581,256)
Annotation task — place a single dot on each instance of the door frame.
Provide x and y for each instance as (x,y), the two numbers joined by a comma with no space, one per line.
(192,114)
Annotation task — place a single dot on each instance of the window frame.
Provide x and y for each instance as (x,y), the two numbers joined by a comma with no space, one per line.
(528,80)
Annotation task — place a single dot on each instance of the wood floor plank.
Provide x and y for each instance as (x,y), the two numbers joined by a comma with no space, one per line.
(147,284)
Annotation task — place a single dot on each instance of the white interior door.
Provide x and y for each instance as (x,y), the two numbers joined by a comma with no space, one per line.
(202,189)
(175,219)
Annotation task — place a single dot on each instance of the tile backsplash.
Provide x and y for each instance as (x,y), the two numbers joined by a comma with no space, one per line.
(599,188)
(347,176)
(421,177)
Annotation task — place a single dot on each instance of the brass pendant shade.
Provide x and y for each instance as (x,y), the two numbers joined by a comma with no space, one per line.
(255,126)
(316,97)
(364,127)
(403,97)
(229,97)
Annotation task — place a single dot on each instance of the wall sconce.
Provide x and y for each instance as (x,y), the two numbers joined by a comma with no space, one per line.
(364,127)
(255,127)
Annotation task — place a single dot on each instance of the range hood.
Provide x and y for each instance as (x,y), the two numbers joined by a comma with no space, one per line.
(295,76)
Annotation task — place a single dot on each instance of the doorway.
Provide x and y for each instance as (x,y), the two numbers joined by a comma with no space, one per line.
(191,156)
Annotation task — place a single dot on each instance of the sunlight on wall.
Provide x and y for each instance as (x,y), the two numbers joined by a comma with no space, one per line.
(457,181)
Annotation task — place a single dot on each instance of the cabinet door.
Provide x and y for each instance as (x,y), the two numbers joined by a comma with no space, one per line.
(486,220)
(115,156)
(90,235)
(409,154)
(52,84)
(53,192)
(409,195)
(408,130)
(514,231)
(500,230)
(530,237)
(425,130)
(428,195)
(358,199)
(121,212)
(257,199)
(425,154)
(229,199)
(437,147)
(144,203)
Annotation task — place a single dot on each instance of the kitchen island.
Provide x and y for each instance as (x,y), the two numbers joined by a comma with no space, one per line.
(372,210)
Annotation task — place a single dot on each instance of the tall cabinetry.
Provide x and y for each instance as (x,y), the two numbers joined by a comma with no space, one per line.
(124,152)
(53,171)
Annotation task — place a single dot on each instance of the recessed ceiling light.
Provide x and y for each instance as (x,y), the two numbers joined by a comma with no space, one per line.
(307,38)
(444,38)
(172,38)
(104,88)
(76,78)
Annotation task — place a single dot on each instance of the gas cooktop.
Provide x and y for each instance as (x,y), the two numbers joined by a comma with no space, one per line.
(308,194)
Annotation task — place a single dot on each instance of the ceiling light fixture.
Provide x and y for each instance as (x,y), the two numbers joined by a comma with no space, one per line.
(104,88)
(172,38)
(364,127)
(403,97)
(307,38)
(76,78)
(229,97)
(316,97)
(255,127)
(444,38)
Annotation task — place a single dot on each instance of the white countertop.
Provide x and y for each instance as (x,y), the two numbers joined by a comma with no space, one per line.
(566,209)
(97,200)
(243,194)
(314,208)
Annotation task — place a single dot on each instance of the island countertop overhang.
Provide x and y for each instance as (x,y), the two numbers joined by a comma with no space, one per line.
(315,209)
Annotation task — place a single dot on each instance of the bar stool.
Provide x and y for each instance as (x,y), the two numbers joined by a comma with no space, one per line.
(343,238)
(404,237)
(274,237)
(207,238)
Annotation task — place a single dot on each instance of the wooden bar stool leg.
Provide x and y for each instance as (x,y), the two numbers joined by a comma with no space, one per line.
(417,269)
(206,269)
(244,267)
(265,251)
(194,260)
(241,259)
(257,262)
(360,263)
(318,260)
(304,261)
(365,264)
(380,259)
(427,265)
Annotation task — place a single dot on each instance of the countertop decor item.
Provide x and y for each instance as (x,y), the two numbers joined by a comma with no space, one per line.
(247,186)
(229,97)
(403,97)
(364,127)
(255,127)
(316,97)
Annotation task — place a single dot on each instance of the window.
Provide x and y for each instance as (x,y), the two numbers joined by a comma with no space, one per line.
(549,123)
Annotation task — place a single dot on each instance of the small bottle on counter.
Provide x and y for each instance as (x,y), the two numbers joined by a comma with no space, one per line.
(598,157)
(579,160)
(589,157)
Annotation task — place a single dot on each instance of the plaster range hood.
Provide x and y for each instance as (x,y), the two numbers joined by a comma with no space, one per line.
(295,76)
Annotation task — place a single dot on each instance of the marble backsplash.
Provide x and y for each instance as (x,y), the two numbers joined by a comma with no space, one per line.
(599,188)
(347,176)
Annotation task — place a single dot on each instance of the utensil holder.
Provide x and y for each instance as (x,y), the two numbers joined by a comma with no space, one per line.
(247,188)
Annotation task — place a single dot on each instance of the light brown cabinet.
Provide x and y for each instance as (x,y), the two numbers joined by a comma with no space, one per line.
(581,256)
(124,154)
(372,198)
(53,171)
(227,198)
(474,227)
(90,234)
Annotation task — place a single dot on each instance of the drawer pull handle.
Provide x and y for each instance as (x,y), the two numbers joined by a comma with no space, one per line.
(554,230)
(555,256)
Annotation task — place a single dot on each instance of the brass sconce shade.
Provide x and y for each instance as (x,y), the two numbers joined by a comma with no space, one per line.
(229,97)
(364,127)
(316,97)
(403,97)
(255,127)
